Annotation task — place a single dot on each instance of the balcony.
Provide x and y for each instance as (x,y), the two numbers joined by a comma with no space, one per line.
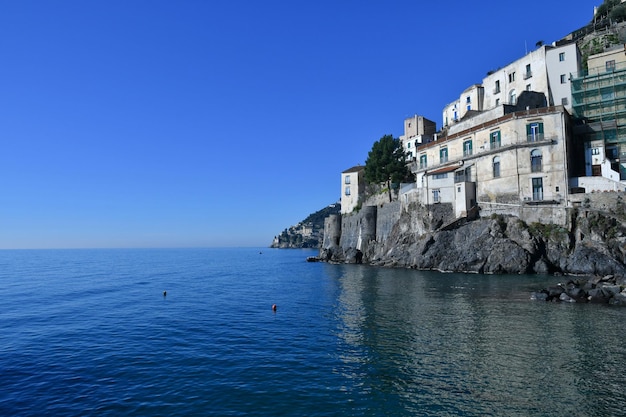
(528,74)
(535,137)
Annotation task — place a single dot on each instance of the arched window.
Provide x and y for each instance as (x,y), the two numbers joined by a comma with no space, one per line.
(535,160)
(513,98)
(496,167)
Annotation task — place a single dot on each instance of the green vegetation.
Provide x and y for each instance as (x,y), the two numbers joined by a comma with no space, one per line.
(611,9)
(548,231)
(386,163)
(317,218)
(309,233)
(500,221)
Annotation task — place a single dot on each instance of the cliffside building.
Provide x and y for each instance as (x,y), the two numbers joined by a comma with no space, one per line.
(599,102)
(516,162)
(417,131)
(352,187)
(544,71)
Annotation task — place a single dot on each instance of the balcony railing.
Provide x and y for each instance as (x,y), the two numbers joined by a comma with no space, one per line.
(528,74)
(535,137)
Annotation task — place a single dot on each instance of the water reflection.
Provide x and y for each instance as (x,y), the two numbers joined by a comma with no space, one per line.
(475,345)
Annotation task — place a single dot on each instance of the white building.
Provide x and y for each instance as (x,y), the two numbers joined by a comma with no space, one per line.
(545,70)
(352,187)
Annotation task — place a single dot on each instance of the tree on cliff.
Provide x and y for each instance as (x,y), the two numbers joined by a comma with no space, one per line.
(386,163)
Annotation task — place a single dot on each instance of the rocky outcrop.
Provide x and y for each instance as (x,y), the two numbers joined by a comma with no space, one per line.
(599,290)
(593,244)
(309,233)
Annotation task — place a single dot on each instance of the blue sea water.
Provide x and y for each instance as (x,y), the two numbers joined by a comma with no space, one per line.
(90,333)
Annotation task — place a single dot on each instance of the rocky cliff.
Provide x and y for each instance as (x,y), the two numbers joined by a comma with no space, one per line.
(309,233)
(593,242)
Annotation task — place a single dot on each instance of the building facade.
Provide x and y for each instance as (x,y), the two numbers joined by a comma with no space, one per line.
(599,102)
(517,163)
(417,131)
(352,187)
(545,70)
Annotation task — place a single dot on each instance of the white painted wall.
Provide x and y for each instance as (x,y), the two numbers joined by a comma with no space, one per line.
(562,61)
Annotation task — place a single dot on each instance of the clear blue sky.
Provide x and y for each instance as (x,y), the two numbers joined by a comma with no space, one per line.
(148,123)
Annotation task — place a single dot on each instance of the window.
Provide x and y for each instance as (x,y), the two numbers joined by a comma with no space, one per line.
(443,155)
(468,99)
(528,72)
(347,190)
(494,140)
(595,151)
(537,189)
(534,132)
(512,76)
(440,176)
(513,98)
(497,89)
(496,167)
(464,175)
(610,66)
(467,148)
(563,79)
(436,198)
(562,56)
(347,180)
(423,162)
(497,102)
(408,145)
(535,160)
(564,101)
(527,87)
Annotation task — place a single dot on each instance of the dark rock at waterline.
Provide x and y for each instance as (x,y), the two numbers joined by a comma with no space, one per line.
(591,243)
(599,290)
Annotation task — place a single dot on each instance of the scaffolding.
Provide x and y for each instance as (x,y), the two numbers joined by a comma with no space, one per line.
(599,105)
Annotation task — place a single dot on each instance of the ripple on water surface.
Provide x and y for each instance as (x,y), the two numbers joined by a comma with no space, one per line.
(90,332)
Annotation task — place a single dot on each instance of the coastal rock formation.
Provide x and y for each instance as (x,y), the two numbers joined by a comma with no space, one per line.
(599,290)
(593,243)
(308,233)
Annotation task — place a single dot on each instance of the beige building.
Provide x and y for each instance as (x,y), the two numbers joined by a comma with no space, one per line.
(352,187)
(517,163)
(417,131)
